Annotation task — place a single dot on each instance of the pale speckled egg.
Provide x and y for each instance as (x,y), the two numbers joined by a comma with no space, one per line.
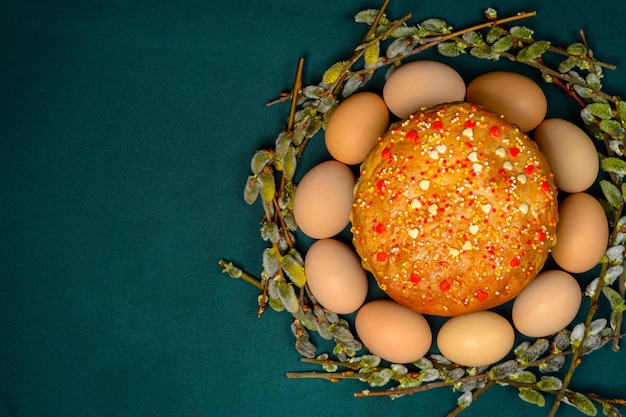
(548,304)
(392,331)
(582,233)
(323,199)
(335,276)
(476,339)
(354,127)
(420,84)
(518,98)
(570,152)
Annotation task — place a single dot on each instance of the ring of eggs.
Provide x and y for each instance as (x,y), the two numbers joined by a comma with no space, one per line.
(324,198)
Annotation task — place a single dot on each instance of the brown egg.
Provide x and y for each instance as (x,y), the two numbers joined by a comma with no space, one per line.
(518,98)
(335,276)
(323,200)
(582,233)
(570,152)
(547,304)
(420,84)
(476,339)
(354,126)
(392,331)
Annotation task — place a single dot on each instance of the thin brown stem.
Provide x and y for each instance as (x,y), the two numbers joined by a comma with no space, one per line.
(244,275)
(295,90)
(283,225)
(374,24)
(621,289)
(458,409)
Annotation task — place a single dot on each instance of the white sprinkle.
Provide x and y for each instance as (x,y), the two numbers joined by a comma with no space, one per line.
(432,209)
(507,165)
(424,184)
(521,178)
(416,203)
(434,154)
(473,229)
(486,208)
(467,245)
(454,252)
(469,132)
(523,208)
(477,167)
(473,156)
(414,233)
(441,148)
(501,152)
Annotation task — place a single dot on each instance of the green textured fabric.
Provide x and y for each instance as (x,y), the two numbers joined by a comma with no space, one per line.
(126,130)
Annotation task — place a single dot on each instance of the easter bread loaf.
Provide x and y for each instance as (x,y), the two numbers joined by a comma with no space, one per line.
(455,210)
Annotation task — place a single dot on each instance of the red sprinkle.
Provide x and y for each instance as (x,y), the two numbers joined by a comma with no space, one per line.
(437,125)
(415,279)
(381,256)
(386,153)
(380,185)
(470,123)
(444,285)
(545,186)
(494,132)
(514,152)
(540,235)
(412,136)
(515,262)
(528,170)
(379,228)
(481,295)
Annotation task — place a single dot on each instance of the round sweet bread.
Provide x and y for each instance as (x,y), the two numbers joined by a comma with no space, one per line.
(455,210)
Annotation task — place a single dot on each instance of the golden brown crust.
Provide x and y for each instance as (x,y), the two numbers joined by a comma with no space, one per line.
(455,210)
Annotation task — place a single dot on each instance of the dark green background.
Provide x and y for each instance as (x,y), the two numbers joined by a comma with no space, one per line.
(126,130)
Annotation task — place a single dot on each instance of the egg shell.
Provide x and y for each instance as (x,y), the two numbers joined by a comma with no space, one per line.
(323,199)
(354,126)
(392,331)
(335,276)
(420,84)
(476,339)
(518,98)
(570,152)
(582,233)
(548,304)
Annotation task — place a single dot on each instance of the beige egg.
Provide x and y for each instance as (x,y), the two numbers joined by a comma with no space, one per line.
(582,233)
(476,339)
(392,331)
(335,276)
(323,200)
(420,84)
(548,304)
(354,126)
(518,98)
(570,152)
